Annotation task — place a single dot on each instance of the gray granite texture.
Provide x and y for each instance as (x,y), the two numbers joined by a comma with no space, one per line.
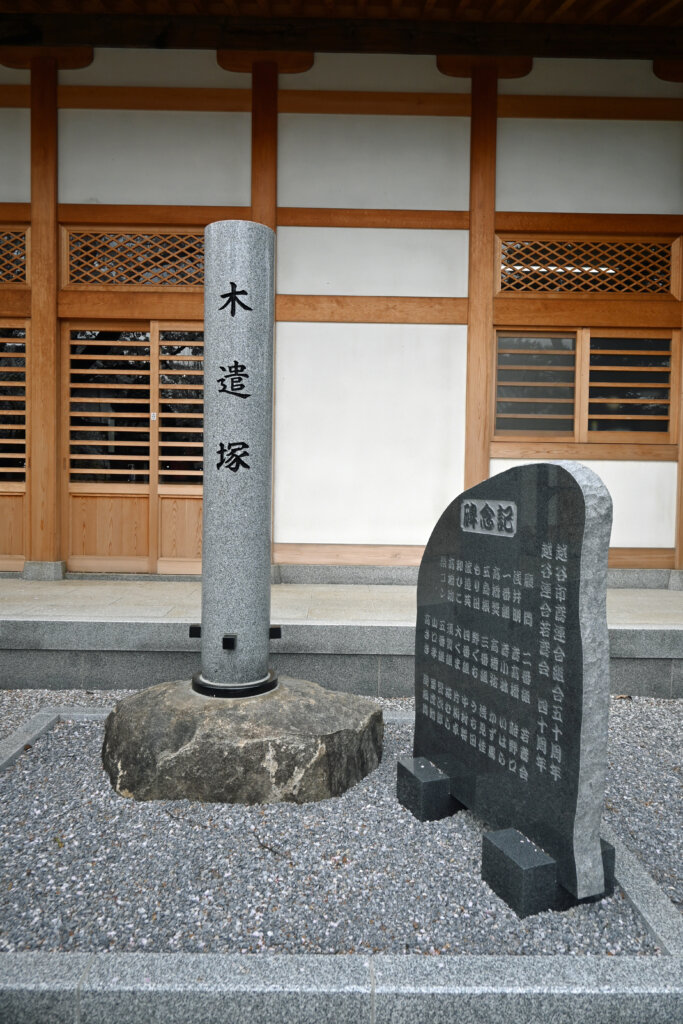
(206,988)
(238,423)
(298,743)
(44,570)
(595,682)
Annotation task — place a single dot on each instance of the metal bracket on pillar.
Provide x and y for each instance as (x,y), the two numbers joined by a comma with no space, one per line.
(195,631)
(229,641)
(276,632)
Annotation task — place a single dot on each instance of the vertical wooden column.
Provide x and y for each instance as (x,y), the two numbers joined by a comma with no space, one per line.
(481,271)
(264,143)
(44,543)
(43,360)
(484,73)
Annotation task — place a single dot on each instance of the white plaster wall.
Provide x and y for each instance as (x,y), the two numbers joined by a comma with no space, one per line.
(14,76)
(187,68)
(375,72)
(15,156)
(570,77)
(371,161)
(643,496)
(590,166)
(371,261)
(108,156)
(369,431)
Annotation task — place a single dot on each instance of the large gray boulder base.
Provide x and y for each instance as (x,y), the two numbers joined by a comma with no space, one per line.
(298,743)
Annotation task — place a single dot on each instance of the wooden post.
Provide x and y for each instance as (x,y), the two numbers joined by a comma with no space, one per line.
(264,143)
(484,73)
(481,272)
(44,542)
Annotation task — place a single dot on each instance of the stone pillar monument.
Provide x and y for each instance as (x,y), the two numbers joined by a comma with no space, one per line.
(295,741)
(238,429)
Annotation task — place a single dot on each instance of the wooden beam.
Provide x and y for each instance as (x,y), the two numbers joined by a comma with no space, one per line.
(641,558)
(326,217)
(332,101)
(114,304)
(548,449)
(668,70)
(147,216)
(481,273)
(66,58)
(264,143)
(347,554)
(15,302)
(587,108)
(43,349)
(288,62)
(612,224)
(562,311)
(117,303)
(370,309)
(344,35)
(133,97)
(465,66)
(429,104)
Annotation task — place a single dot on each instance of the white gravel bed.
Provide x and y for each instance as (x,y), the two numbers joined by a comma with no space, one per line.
(84,869)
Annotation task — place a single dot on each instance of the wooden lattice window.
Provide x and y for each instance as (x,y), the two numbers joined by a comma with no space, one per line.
(12,255)
(153,259)
(580,265)
(535,383)
(12,404)
(629,387)
(109,406)
(181,397)
(603,386)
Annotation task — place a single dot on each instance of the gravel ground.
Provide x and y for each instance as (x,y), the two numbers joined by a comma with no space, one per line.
(84,869)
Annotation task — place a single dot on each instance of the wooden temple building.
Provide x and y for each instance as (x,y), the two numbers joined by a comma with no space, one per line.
(479,215)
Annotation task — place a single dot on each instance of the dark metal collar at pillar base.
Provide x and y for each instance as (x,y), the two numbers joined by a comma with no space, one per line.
(209,689)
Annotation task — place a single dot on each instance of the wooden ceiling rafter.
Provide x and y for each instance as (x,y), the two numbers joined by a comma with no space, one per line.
(638,29)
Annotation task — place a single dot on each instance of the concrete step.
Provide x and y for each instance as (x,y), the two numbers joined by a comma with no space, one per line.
(103,634)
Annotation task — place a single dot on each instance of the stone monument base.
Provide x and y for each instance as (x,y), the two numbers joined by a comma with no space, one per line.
(297,743)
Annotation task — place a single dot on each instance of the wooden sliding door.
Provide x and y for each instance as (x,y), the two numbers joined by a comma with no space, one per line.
(132,402)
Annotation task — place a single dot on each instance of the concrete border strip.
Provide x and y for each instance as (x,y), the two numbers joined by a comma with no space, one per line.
(177,988)
(657,912)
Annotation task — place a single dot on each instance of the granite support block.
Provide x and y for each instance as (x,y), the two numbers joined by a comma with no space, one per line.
(527,990)
(44,571)
(641,677)
(518,871)
(424,789)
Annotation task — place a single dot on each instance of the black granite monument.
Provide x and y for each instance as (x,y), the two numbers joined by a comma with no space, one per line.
(512,680)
